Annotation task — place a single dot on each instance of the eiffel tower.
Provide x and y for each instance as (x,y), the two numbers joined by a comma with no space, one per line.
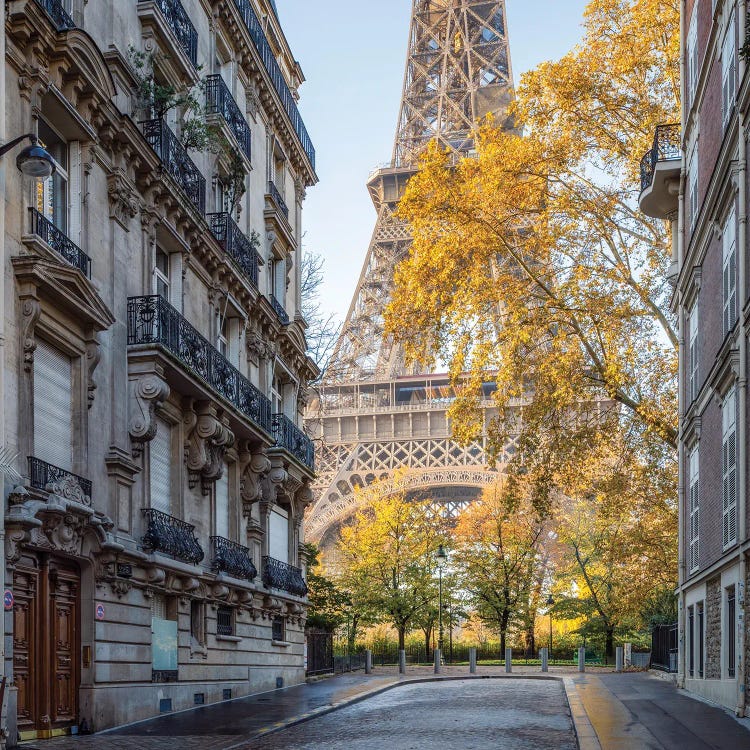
(374,418)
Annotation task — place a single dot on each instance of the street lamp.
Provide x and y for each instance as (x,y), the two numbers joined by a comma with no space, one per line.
(34,160)
(550,603)
(441,558)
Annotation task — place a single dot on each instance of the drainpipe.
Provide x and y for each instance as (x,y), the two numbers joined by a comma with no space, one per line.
(742,468)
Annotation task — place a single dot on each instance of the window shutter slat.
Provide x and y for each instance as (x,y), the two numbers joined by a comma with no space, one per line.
(222,505)
(161,467)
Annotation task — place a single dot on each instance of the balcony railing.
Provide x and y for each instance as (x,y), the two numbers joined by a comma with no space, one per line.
(281,575)
(258,36)
(182,27)
(666,147)
(170,535)
(219,101)
(292,439)
(233,558)
(43,475)
(235,244)
(55,10)
(275,194)
(174,158)
(152,320)
(279,310)
(57,240)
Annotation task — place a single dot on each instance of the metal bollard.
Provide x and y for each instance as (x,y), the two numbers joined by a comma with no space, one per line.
(438,655)
(402,662)
(508,660)
(368,661)
(545,665)
(619,652)
(472,661)
(581,659)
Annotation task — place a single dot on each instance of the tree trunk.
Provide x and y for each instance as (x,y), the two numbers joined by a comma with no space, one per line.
(504,617)
(427,638)
(353,634)
(609,649)
(401,638)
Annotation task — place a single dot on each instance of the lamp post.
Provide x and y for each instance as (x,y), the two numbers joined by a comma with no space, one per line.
(441,557)
(34,160)
(550,603)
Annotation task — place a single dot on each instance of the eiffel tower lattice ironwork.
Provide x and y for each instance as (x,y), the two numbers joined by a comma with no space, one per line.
(375,417)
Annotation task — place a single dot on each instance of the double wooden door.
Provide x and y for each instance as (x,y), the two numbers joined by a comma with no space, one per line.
(46,645)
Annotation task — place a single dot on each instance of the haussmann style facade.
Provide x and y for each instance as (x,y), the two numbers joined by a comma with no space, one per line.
(155,363)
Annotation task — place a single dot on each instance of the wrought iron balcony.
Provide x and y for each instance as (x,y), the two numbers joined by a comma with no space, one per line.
(174,158)
(233,558)
(152,320)
(235,244)
(665,148)
(281,575)
(255,29)
(182,27)
(279,310)
(171,536)
(275,194)
(58,241)
(44,476)
(55,10)
(219,101)
(292,439)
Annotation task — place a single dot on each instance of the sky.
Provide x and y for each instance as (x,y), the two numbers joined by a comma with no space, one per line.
(353,54)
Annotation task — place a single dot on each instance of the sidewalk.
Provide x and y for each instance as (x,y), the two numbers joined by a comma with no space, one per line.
(610,711)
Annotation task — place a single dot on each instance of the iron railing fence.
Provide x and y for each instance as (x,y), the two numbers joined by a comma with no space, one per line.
(281,575)
(294,440)
(235,243)
(170,535)
(281,313)
(319,652)
(182,27)
(349,662)
(152,320)
(42,474)
(219,101)
(60,17)
(666,146)
(275,194)
(664,647)
(43,228)
(255,29)
(176,161)
(233,558)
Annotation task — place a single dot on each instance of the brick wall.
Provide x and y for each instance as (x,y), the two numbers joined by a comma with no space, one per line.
(713,629)
(711,541)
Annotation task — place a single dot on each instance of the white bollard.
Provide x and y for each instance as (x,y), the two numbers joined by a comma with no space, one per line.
(368,661)
(508,660)
(618,659)
(438,659)
(402,662)
(472,661)
(582,659)
(545,658)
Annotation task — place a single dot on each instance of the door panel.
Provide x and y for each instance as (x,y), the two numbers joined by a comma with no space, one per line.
(25,587)
(64,661)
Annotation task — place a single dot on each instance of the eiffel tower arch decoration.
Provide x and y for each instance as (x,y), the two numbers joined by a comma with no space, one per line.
(374,418)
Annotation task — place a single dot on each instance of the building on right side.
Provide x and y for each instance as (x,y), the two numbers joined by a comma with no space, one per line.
(695,176)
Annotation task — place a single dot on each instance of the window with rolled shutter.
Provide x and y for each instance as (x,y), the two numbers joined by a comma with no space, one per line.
(729,272)
(160,449)
(693,352)
(692,57)
(729,468)
(53,406)
(694,510)
(728,71)
(278,533)
(693,185)
(222,505)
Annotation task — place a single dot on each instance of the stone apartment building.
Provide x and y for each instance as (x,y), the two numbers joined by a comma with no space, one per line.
(696,176)
(154,360)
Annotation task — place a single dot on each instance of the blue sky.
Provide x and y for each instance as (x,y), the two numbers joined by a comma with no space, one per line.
(353,53)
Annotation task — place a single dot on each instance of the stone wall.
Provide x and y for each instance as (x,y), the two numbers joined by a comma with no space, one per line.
(713,629)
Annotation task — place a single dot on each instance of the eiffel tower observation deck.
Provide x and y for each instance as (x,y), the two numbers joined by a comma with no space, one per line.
(376,419)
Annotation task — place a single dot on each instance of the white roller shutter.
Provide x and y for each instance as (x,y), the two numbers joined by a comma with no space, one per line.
(278,536)
(222,505)
(161,467)
(53,406)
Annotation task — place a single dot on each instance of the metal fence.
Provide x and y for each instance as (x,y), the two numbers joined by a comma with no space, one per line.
(319,652)
(348,662)
(664,647)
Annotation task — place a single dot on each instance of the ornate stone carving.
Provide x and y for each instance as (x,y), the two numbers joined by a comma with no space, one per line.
(31,310)
(208,440)
(68,488)
(62,532)
(123,199)
(272,484)
(93,355)
(252,100)
(146,393)
(120,587)
(15,537)
(253,466)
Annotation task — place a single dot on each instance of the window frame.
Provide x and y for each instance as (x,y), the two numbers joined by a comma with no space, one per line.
(728,69)
(729,271)
(729,467)
(694,509)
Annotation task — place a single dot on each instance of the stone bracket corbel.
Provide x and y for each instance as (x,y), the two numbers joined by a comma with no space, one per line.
(254,465)
(209,437)
(147,392)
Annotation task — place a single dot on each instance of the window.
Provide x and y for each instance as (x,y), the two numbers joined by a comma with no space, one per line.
(160,453)
(693,186)
(693,352)
(278,280)
(694,548)
(691,641)
(221,489)
(222,338)
(731,631)
(278,535)
(161,274)
(692,58)
(198,622)
(277,399)
(277,629)
(53,406)
(728,71)
(168,276)
(699,643)
(729,271)
(224,621)
(729,467)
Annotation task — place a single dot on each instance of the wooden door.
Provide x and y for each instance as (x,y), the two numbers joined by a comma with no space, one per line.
(46,640)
